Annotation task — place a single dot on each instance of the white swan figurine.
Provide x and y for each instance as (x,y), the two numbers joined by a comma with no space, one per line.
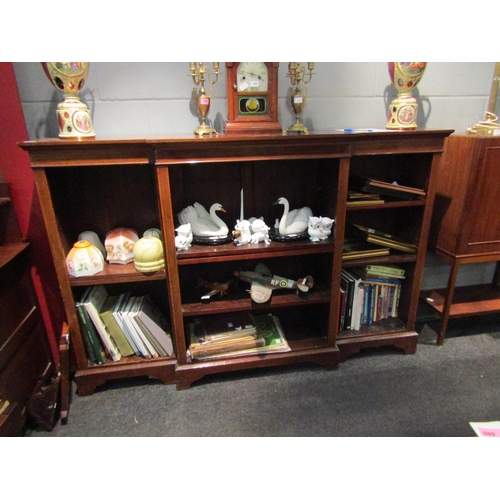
(201,225)
(295,221)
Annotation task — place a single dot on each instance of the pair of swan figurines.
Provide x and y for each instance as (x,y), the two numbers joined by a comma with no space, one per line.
(208,228)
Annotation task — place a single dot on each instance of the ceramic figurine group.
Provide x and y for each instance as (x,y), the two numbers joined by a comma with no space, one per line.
(122,246)
(319,228)
(205,227)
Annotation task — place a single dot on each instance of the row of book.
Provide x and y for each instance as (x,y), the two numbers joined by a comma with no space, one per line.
(116,326)
(369,294)
(235,334)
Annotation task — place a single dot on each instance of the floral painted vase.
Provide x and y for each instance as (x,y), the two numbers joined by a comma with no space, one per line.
(403,110)
(73,116)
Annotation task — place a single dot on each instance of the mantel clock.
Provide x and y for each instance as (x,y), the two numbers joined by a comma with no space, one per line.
(252,95)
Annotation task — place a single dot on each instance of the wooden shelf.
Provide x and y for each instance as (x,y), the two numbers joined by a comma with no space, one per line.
(229,252)
(470,300)
(10,251)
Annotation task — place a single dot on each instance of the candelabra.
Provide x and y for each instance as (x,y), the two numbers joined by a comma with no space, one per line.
(199,74)
(297,74)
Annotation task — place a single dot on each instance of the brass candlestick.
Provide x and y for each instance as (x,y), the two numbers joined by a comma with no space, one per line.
(297,74)
(203,100)
(490,125)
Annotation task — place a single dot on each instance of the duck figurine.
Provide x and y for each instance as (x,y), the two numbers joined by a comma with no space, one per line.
(204,223)
(294,221)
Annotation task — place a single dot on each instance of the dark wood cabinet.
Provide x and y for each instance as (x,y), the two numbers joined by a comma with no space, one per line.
(466,226)
(25,360)
(141,183)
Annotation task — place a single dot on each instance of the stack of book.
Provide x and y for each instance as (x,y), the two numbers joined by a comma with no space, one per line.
(235,334)
(369,294)
(383,239)
(356,248)
(394,189)
(122,325)
(355,198)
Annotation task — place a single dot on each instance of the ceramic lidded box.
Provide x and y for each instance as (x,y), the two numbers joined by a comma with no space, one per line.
(84,259)
(119,245)
(148,254)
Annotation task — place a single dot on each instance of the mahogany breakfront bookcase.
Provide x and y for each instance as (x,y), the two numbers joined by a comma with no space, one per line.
(101,184)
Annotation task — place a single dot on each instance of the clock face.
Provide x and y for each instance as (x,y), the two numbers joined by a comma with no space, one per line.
(252,77)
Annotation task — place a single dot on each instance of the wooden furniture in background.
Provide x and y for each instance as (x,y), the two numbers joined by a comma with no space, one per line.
(142,183)
(466,225)
(26,364)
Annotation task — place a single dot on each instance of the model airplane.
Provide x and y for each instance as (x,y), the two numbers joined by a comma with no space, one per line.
(263,283)
(214,287)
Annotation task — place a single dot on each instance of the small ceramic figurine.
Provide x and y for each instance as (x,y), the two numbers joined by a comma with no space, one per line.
(94,240)
(84,259)
(242,233)
(319,228)
(153,231)
(294,221)
(260,232)
(326,228)
(315,228)
(184,237)
(120,245)
(148,254)
(202,222)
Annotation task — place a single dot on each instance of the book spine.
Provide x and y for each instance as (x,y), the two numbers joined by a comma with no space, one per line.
(106,338)
(90,336)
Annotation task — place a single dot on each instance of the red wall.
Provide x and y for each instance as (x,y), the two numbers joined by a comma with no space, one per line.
(15,168)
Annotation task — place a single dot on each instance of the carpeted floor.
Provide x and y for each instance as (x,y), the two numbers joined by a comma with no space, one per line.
(381,392)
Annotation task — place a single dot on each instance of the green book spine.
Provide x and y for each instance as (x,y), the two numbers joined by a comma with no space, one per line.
(90,336)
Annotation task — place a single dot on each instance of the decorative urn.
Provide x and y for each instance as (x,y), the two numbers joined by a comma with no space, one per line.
(403,110)
(73,116)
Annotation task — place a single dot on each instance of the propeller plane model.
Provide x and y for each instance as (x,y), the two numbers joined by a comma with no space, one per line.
(262,283)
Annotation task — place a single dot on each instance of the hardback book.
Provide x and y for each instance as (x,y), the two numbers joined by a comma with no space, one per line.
(205,350)
(91,339)
(120,304)
(150,317)
(228,325)
(114,328)
(357,198)
(395,189)
(360,248)
(391,270)
(270,339)
(151,338)
(347,282)
(381,238)
(4,404)
(129,317)
(94,302)
(130,328)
